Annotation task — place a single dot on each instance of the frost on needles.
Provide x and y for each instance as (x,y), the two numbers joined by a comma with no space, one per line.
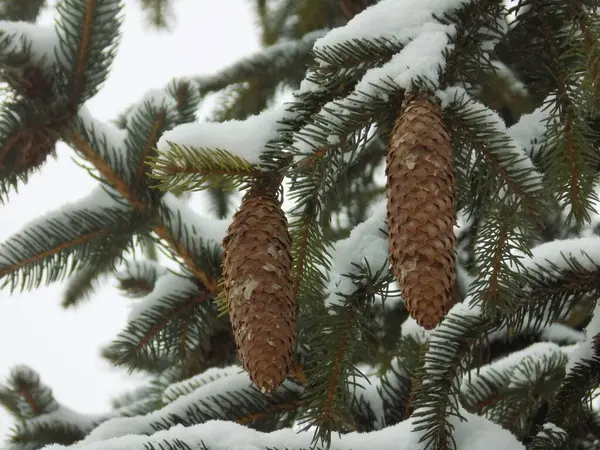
(277,309)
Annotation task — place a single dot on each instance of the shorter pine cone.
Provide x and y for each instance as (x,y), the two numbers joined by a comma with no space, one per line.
(421,211)
(257,263)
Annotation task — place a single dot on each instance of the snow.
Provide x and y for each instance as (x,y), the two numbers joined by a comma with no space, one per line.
(510,367)
(101,198)
(140,269)
(389,20)
(519,162)
(586,350)
(245,139)
(204,227)
(422,58)
(65,415)
(208,397)
(410,328)
(472,434)
(529,131)
(175,390)
(275,56)
(550,430)
(155,99)
(168,286)
(366,243)
(42,40)
(114,136)
(367,388)
(555,256)
(439,342)
(555,332)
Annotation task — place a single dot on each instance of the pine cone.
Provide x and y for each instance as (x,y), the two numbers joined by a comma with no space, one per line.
(421,211)
(257,263)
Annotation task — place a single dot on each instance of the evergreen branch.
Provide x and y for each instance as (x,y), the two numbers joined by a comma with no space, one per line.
(232,397)
(72,237)
(474,126)
(570,154)
(171,321)
(185,387)
(186,169)
(434,398)
(88,32)
(27,139)
(25,396)
(590,28)
(83,283)
(187,98)
(242,100)
(573,400)
(27,437)
(138,278)
(550,437)
(194,239)
(557,276)
(158,13)
(273,62)
(397,381)
(499,240)
(16,10)
(510,391)
(359,53)
(83,140)
(155,114)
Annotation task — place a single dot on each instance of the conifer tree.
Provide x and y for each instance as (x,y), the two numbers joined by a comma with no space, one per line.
(406,255)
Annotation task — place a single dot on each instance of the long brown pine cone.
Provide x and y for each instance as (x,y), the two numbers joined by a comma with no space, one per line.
(257,263)
(421,213)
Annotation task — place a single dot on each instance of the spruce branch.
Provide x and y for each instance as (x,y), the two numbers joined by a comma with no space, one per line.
(435,396)
(83,283)
(273,63)
(51,248)
(25,396)
(138,277)
(16,10)
(573,399)
(88,32)
(172,321)
(186,169)
(229,396)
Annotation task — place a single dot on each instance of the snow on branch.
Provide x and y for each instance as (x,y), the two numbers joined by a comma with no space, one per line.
(138,277)
(246,139)
(529,131)
(169,285)
(422,60)
(42,249)
(185,387)
(233,395)
(552,259)
(183,217)
(504,151)
(21,37)
(267,60)
(368,244)
(587,350)
(397,20)
(489,380)
(473,433)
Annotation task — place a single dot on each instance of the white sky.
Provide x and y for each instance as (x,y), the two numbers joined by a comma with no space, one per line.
(63,345)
